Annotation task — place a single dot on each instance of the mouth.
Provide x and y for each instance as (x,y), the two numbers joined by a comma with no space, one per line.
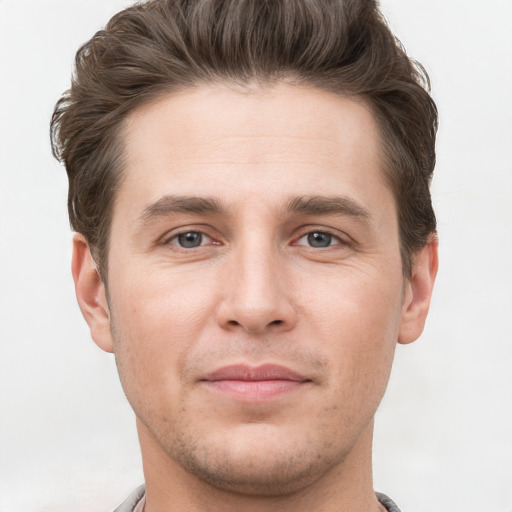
(254,383)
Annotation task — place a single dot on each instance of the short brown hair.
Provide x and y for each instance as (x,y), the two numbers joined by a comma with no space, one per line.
(342,46)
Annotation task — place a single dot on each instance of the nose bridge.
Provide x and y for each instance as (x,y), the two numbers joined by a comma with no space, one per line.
(254,264)
(256,296)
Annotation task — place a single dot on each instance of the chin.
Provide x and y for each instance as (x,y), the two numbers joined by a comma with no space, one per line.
(261,464)
(278,475)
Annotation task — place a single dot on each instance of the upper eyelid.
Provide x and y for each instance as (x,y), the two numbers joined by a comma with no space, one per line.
(176,235)
(341,235)
(302,231)
(170,242)
(334,236)
(173,233)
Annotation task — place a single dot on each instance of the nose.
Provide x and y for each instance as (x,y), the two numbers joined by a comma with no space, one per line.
(256,297)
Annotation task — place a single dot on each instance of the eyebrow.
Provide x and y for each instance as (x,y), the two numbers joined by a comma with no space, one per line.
(169,204)
(305,205)
(326,205)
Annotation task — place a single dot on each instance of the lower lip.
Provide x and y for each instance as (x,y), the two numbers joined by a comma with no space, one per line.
(255,390)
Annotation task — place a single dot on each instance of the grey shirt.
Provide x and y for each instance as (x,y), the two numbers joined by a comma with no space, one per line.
(134,502)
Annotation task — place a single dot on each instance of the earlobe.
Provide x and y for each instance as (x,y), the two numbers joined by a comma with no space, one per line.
(418,292)
(90,293)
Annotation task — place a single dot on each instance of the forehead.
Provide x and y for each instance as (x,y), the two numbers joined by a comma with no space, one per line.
(224,141)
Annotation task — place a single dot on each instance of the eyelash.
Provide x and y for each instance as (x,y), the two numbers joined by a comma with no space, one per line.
(173,240)
(332,238)
(175,237)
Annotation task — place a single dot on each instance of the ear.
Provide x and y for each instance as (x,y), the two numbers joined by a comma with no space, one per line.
(90,293)
(418,291)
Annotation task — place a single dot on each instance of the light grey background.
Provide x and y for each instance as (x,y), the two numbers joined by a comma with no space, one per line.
(444,431)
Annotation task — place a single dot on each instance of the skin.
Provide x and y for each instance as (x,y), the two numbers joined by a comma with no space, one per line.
(258,289)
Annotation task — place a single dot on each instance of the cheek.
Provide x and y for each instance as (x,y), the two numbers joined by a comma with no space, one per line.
(161,304)
(357,323)
(354,305)
(156,319)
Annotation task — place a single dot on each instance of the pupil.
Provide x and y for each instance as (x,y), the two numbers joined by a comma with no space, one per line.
(319,239)
(192,239)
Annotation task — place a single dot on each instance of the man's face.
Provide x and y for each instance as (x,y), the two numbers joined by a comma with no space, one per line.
(255,282)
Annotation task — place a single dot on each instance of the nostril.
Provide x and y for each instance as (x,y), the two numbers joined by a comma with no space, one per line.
(235,323)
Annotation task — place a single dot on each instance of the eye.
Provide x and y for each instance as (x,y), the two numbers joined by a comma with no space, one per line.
(190,239)
(318,239)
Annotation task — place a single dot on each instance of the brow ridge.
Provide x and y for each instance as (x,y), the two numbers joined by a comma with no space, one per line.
(305,205)
(327,205)
(170,204)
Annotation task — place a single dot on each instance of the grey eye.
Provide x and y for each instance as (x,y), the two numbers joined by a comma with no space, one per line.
(319,239)
(190,240)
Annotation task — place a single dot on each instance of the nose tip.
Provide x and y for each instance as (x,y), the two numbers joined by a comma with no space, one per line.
(256,300)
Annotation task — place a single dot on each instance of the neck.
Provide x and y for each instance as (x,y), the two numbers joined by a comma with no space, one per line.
(346,486)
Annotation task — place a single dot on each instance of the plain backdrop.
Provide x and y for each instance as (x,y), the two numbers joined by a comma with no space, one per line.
(443,437)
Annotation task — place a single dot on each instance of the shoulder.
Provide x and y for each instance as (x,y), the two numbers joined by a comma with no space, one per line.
(135,498)
(387,502)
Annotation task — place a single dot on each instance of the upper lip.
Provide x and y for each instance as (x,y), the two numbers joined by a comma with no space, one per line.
(254,373)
